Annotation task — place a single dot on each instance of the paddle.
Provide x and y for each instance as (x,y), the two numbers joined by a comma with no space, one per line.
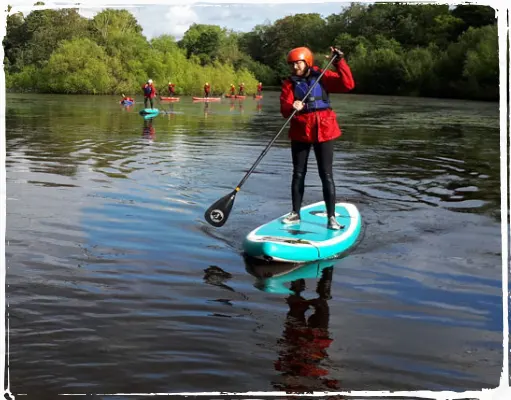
(219,211)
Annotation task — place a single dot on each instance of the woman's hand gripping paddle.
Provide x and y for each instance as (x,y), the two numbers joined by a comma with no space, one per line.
(219,211)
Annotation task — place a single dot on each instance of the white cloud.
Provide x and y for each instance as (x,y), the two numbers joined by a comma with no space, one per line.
(174,18)
(179,19)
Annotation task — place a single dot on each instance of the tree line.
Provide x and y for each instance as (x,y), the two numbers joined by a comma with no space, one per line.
(392,49)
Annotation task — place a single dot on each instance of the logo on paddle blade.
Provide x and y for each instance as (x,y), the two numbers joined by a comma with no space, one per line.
(216,215)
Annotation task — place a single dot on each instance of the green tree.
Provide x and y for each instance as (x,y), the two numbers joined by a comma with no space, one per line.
(203,41)
(111,23)
(419,66)
(78,66)
(469,67)
(32,40)
(348,22)
(481,67)
(379,70)
(254,43)
(48,28)
(13,42)
(427,50)
(474,16)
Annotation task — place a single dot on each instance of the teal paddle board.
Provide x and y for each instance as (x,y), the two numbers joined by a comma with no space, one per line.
(307,241)
(152,112)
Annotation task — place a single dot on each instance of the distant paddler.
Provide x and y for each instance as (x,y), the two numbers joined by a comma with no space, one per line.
(207,89)
(241,91)
(172,89)
(126,99)
(259,89)
(149,92)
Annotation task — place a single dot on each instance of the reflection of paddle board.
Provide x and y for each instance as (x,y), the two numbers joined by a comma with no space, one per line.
(271,277)
(310,240)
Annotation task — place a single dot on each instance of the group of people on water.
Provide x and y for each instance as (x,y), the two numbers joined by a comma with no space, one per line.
(149,91)
(313,125)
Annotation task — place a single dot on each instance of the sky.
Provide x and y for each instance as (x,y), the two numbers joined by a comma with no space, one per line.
(175,20)
(175,17)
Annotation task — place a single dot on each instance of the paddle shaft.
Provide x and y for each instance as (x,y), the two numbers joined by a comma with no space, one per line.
(283,126)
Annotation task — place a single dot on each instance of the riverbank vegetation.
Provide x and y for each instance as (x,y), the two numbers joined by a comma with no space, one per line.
(393,49)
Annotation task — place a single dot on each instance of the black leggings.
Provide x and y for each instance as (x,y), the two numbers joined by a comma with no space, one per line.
(324,152)
(146,99)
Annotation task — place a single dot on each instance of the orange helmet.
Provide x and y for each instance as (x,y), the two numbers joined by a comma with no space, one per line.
(300,53)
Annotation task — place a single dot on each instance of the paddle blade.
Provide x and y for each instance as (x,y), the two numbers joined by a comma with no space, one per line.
(218,213)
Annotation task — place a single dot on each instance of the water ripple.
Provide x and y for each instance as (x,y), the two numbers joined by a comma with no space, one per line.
(113,272)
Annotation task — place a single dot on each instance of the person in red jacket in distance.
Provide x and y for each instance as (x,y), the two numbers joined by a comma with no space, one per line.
(207,89)
(314,124)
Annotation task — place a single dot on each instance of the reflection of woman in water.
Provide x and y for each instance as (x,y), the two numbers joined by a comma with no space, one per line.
(148,131)
(305,341)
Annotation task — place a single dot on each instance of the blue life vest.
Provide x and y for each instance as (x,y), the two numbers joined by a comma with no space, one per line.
(147,90)
(318,99)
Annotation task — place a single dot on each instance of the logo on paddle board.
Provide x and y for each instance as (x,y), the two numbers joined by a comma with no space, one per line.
(216,215)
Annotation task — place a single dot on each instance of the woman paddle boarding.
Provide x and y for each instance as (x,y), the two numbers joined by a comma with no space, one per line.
(149,92)
(314,124)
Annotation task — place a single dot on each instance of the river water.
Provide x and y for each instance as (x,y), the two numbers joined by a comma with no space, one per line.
(116,284)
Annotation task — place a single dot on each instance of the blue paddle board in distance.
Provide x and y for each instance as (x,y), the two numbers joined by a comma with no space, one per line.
(149,112)
(307,241)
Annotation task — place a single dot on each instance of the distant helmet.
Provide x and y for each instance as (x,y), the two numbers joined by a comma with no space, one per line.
(300,53)
(150,81)
(170,83)
(207,83)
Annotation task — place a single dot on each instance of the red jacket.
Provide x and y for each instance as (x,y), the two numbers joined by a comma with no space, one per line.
(153,90)
(317,126)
